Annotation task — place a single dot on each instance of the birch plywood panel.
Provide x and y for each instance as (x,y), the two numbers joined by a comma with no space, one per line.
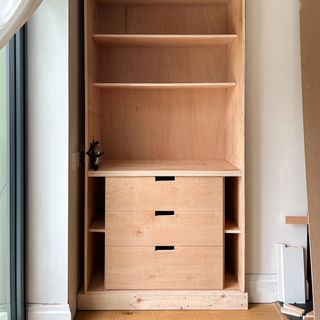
(183,228)
(136,64)
(171,125)
(146,268)
(184,193)
(162,19)
(310,50)
(236,123)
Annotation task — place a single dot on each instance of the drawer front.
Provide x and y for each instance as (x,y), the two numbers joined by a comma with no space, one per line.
(184,268)
(182,193)
(150,228)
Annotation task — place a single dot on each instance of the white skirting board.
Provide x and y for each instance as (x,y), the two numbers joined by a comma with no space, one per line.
(262,288)
(48,312)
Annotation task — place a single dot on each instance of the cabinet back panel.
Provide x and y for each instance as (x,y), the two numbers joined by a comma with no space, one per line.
(93,116)
(162,19)
(162,124)
(193,64)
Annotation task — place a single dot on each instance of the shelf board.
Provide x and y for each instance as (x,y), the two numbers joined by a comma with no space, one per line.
(98,224)
(115,168)
(302,220)
(231,227)
(145,40)
(162,2)
(198,85)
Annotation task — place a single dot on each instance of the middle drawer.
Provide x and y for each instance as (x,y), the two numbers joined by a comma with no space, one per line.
(179,228)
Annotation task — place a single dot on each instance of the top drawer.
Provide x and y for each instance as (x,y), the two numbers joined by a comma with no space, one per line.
(172,193)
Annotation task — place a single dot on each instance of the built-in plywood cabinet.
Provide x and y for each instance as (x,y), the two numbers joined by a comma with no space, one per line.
(164,211)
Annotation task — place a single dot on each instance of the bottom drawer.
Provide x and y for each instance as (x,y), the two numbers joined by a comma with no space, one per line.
(164,268)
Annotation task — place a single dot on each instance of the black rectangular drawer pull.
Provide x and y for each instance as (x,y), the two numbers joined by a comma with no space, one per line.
(164,213)
(165,178)
(164,248)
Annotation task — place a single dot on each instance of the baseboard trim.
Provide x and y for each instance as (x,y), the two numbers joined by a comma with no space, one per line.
(262,288)
(48,312)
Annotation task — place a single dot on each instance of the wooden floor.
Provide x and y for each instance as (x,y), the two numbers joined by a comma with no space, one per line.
(256,312)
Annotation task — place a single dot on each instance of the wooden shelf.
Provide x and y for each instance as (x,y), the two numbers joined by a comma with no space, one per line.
(192,168)
(98,224)
(231,227)
(146,40)
(204,85)
(163,2)
(302,220)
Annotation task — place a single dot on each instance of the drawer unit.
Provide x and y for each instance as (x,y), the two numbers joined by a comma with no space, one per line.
(167,268)
(164,193)
(145,228)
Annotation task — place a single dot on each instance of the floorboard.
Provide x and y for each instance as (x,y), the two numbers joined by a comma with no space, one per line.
(255,312)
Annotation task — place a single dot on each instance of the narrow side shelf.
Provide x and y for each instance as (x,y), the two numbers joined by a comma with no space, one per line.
(98,224)
(231,227)
(145,40)
(175,85)
(219,168)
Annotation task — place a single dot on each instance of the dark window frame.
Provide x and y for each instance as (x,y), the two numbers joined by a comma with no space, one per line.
(17,174)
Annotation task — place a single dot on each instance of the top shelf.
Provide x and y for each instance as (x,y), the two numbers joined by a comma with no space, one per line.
(145,40)
(163,2)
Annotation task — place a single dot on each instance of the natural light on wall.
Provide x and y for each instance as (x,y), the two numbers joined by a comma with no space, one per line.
(13,15)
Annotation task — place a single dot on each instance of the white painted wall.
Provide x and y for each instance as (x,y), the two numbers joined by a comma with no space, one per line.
(276,182)
(4,185)
(48,138)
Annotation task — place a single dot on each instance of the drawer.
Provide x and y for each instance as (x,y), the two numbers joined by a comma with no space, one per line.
(183,228)
(183,268)
(176,193)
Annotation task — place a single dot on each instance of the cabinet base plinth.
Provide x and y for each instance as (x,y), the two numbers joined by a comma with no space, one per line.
(162,300)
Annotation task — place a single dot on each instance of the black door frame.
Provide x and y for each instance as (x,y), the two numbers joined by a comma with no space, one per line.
(17,174)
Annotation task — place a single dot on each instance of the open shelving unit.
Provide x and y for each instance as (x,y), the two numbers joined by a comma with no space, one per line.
(165,98)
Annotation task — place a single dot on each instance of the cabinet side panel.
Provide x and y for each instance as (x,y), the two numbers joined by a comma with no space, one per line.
(92,122)
(235,118)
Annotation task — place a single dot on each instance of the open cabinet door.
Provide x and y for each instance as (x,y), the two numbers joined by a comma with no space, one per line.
(310,52)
